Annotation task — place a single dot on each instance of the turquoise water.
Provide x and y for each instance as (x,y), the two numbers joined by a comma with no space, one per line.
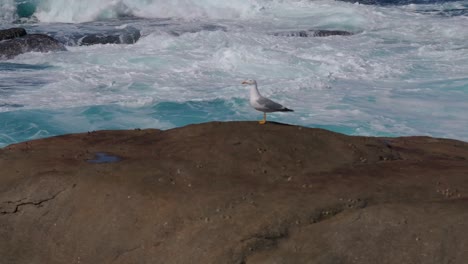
(33,124)
(26,8)
(402,73)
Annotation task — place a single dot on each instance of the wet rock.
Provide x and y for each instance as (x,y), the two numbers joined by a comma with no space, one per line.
(128,35)
(12,33)
(313,33)
(94,33)
(29,43)
(392,2)
(194,29)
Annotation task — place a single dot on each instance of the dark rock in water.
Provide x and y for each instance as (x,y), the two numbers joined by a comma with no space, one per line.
(194,29)
(397,2)
(15,41)
(129,35)
(99,39)
(85,35)
(29,43)
(12,33)
(313,33)
(326,33)
(94,33)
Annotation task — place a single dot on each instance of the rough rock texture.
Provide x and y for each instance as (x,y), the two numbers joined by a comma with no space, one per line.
(234,192)
(313,33)
(12,33)
(15,46)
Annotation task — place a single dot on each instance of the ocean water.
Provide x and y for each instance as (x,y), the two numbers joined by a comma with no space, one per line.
(404,72)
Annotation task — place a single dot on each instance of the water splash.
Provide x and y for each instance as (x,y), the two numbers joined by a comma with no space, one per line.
(7,10)
(403,72)
(73,11)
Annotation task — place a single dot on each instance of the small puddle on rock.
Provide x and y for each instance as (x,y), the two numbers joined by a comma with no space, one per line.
(101,157)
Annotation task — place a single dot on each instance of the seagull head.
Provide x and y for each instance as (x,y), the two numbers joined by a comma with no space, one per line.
(249,82)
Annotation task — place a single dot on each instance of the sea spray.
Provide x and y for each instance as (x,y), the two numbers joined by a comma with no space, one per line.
(7,10)
(90,10)
(403,72)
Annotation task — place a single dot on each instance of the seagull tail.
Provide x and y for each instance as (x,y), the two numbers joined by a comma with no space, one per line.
(286,110)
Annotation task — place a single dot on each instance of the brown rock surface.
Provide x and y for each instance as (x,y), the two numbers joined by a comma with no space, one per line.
(234,192)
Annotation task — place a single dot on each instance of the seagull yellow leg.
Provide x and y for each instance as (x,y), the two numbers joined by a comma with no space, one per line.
(261,122)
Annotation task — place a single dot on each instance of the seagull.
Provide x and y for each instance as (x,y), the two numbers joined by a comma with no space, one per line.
(261,103)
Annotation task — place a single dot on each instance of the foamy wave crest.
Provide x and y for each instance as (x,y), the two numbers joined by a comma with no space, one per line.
(89,10)
(7,10)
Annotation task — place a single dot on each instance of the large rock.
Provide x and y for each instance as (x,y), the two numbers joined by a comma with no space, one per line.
(16,41)
(128,35)
(234,192)
(12,33)
(108,39)
(94,33)
(29,43)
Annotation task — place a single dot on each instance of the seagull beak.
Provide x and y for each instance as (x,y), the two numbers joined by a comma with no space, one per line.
(245,82)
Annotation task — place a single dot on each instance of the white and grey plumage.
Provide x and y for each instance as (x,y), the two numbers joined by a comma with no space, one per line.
(261,103)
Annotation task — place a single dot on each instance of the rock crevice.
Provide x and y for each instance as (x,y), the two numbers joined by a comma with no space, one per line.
(13,207)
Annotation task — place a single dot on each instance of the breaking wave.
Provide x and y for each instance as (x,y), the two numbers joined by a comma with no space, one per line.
(90,10)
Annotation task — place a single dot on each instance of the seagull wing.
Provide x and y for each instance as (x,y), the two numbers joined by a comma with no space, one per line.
(271,106)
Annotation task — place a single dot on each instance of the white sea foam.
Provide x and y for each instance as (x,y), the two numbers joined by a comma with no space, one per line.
(403,73)
(7,10)
(89,10)
(76,11)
